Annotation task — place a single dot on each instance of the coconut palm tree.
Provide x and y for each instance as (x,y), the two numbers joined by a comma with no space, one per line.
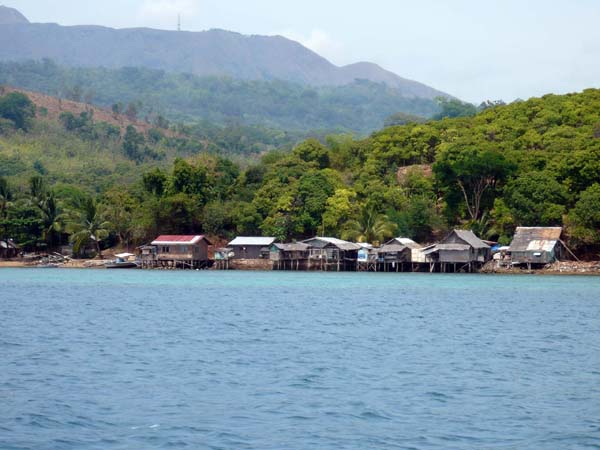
(5,197)
(5,202)
(86,223)
(52,218)
(369,226)
(37,189)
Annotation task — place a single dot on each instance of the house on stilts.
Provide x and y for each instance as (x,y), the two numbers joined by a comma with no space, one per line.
(176,252)
(331,254)
(460,251)
(536,246)
(398,255)
(251,247)
(292,256)
(246,252)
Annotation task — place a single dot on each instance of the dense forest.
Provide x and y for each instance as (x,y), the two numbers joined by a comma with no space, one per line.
(359,107)
(533,163)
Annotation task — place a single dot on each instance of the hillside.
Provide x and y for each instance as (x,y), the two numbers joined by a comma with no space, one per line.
(208,53)
(530,163)
(51,108)
(359,107)
(79,144)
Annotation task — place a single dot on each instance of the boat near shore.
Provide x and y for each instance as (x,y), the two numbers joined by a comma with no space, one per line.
(122,261)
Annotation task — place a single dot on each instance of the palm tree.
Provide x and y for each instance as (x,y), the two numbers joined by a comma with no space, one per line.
(37,189)
(86,224)
(52,218)
(5,197)
(5,202)
(369,226)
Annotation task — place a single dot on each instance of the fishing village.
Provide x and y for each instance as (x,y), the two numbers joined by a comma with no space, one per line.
(532,250)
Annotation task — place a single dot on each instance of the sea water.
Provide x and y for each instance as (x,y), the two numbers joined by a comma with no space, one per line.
(131,359)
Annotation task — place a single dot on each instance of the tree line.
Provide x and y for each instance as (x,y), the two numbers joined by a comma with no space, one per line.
(531,163)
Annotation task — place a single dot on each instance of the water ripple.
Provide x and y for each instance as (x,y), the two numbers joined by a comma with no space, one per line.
(222,360)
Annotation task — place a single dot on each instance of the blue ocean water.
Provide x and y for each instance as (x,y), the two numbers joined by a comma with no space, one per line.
(99,359)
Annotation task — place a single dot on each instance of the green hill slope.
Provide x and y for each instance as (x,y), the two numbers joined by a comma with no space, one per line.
(359,107)
(531,163)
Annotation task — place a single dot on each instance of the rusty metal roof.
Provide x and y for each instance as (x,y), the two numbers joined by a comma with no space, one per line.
(535,239)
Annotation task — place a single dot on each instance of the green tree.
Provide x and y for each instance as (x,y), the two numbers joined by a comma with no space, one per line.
(340,207)
(475,174)
(6,197)
(312,151)
(189,179)
(17,108)
(418,217)
(179,214)
(585,217)
(155,181)
(86,222)
(133,143)
(37,189)
(369,226)
(120,209)
(401,118)
(310,198)
(450,108)
(52,220)
(536,199)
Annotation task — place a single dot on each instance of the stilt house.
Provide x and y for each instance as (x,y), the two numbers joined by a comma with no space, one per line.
(536,245)
(178,251)
(398,251)
(222,257)
(251,247)
(461,250)
(327,253)
(289,256)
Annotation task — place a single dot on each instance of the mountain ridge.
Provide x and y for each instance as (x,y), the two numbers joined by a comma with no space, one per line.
(214,52)
(11,15)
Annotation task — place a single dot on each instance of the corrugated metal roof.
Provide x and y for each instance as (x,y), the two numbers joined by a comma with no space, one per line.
(447,247)
(252,241)
(531,239)
(297,247)
(460,247)
(391,248)
(176,239)
(536,245)
(339,243)
(470,238)
(406,242)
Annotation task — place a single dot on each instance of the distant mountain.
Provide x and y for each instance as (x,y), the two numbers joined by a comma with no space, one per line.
(206,53)
(11,16)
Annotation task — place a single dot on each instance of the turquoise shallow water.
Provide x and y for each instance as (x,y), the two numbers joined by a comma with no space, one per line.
(238,360)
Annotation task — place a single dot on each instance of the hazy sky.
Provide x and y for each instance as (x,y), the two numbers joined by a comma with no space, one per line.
(474,49)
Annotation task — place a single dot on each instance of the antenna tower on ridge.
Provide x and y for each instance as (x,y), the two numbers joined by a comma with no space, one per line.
(178,22)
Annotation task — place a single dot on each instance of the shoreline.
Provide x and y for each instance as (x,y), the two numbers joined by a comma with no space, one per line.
(561,268)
